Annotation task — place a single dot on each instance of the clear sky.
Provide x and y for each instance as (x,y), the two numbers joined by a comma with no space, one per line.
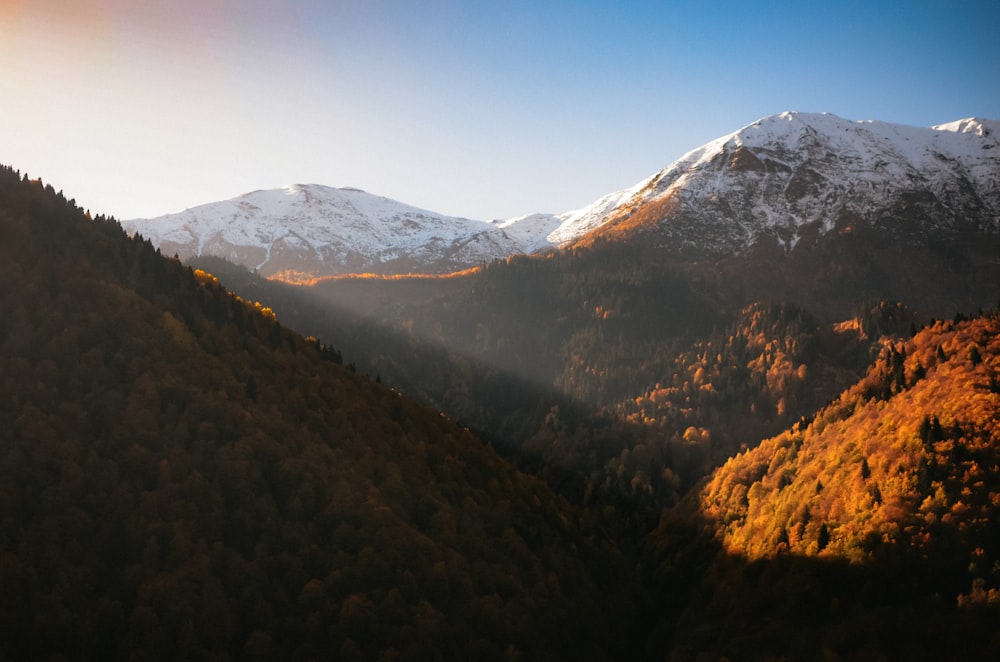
(473,108)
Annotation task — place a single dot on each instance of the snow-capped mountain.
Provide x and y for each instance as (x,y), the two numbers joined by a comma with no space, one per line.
(782,177)
(793,174)
(313,230)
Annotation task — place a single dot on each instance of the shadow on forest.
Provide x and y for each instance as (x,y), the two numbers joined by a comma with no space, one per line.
(696,599)
(723,605)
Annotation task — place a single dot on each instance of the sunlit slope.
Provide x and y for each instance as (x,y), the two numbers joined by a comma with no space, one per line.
(905,463)
(867,532)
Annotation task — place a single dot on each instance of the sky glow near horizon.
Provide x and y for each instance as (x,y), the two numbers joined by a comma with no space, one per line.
(482,110)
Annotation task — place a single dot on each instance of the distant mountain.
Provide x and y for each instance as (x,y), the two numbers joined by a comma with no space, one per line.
(312,230)
(787,177)
(795,176)
(304,231)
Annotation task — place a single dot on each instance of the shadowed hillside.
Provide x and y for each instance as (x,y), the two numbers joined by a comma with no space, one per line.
(578,360)
(184,478)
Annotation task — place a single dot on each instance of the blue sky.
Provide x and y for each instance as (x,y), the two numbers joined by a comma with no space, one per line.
(484,110)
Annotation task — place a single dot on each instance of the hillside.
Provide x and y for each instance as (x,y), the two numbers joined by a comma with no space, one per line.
(592,362)
(907,458)
(184,478)
(878,516)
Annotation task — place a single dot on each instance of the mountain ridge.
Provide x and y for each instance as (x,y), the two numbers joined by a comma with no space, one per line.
(300,227)
(786,174)
(782,177)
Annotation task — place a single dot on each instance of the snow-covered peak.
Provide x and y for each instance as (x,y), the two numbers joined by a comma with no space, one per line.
(772,177)
(319,230)
(792,169)
(797,132)
(980,127)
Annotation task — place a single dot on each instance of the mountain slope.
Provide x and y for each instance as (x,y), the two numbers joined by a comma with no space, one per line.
(313,230)
(183,478)
(878,516)
(796,175)
(905,459)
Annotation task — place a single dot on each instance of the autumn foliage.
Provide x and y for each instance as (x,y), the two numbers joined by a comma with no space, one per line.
(906,461)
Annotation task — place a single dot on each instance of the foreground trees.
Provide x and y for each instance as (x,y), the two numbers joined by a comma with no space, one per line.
(184,478)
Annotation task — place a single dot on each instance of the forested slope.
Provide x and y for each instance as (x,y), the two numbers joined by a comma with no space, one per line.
(877,517)
(184,478)
(609,367)
(907,457)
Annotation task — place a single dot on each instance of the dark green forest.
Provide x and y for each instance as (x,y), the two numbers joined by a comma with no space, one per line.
(608,452)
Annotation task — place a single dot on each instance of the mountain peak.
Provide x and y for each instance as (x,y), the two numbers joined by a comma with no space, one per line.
(983,128)
(787,172)
(310,230)
(779,177)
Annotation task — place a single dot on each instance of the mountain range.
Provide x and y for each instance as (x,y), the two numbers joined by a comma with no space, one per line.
(785,178)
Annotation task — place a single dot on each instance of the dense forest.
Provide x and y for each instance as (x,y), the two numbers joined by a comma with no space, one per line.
(597,454)
(609,370)
(877,517)
(184,478)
